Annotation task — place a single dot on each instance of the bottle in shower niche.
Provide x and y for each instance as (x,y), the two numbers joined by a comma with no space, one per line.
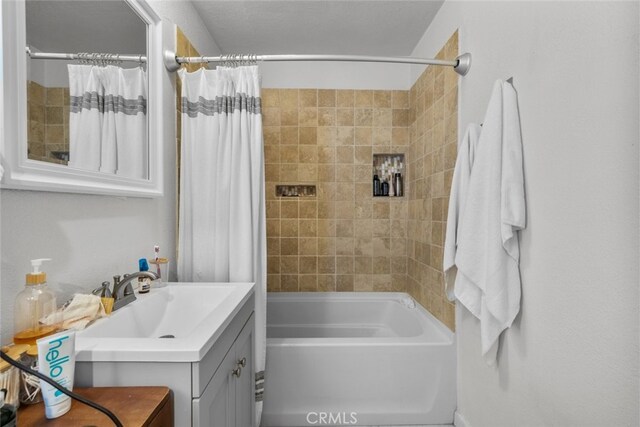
(398,185)
(376,186)
(385,188)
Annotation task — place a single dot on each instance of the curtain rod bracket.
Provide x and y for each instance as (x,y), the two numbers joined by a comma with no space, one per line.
(170,60)
(464,63)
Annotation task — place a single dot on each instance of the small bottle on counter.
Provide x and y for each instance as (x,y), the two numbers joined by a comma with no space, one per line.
(30,392)
(144,283)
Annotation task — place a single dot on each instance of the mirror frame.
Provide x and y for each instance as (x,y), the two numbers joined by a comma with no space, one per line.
(25,174)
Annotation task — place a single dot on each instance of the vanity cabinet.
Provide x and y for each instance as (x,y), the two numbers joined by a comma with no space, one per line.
(228,399)
(211,390)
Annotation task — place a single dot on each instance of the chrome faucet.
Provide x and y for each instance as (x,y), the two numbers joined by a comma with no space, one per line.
(123,291)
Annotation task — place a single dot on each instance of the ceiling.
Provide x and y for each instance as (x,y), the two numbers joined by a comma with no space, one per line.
(385,28)
(70,26)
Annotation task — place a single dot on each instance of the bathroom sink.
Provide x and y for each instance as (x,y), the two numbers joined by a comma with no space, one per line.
(176,323)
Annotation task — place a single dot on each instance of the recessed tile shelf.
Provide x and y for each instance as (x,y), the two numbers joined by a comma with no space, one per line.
(390,171)
(295,191)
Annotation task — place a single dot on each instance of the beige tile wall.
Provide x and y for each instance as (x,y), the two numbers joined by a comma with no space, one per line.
(431,158)
(344,239)
(48,121)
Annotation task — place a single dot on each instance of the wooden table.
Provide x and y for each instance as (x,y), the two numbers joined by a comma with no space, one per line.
(134,406)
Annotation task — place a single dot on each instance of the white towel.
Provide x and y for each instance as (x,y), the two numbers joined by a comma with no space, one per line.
(459,188)
(82,310)
(488,254)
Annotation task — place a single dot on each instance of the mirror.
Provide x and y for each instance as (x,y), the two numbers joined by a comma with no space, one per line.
(70,26)
(84,109)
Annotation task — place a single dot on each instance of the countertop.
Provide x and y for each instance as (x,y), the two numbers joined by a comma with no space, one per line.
(134,406)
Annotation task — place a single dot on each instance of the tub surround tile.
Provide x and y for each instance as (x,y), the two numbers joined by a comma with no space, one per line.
(327,138)
(326,98)
(48,122)
(432,121)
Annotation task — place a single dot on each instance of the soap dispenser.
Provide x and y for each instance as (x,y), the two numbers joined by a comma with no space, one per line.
(35,302)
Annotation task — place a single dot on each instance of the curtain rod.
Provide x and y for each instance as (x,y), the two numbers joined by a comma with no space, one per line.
(108,57)
(461,64)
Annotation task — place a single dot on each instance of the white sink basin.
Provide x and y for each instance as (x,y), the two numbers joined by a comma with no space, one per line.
(191,314)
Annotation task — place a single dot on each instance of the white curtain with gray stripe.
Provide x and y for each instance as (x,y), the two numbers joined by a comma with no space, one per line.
(222,226)
(85,117)
(107,123)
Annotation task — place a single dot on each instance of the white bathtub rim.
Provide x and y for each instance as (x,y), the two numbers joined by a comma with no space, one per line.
(357,342)
(448,337)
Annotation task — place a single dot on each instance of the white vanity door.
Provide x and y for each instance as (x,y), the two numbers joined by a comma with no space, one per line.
(245,393)
(228,400)
(216,406)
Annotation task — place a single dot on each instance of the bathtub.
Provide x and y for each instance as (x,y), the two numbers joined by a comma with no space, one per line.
(356,359)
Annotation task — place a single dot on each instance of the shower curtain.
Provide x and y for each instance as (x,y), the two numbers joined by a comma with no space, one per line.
(107,123)
(222,225)
(85,121)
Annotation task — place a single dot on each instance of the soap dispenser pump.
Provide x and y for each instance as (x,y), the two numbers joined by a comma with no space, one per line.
(35,302)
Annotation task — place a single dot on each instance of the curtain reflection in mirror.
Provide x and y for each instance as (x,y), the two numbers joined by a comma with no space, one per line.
(107,122)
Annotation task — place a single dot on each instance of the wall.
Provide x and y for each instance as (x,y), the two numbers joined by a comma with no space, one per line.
(571,357)
(434,142)
(90,237)
(343,239)
(186,17)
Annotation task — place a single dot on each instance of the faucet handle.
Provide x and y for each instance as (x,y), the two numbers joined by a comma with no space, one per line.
(103,291)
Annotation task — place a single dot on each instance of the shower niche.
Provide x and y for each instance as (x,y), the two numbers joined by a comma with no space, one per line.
(295,191)
(388,175)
